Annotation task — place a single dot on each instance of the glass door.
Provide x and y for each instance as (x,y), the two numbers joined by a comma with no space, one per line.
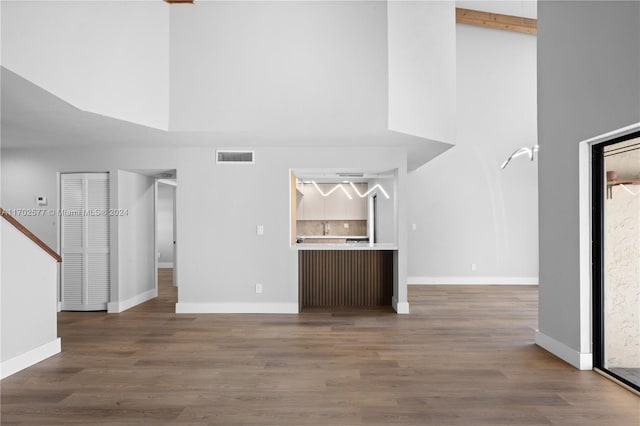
(616,258)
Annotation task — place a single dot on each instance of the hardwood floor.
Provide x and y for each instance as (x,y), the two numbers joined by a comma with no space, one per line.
(465,355)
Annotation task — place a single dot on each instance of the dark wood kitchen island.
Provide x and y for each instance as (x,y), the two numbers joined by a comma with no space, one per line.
(345,275)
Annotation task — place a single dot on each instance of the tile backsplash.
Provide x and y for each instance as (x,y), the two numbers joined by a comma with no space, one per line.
(336,227)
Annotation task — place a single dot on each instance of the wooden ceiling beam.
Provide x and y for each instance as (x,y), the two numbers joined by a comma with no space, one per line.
(473,17)
(497,21)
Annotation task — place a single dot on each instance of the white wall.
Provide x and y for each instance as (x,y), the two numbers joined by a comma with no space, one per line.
(279,66)
(218,208)
(136,244)
(466,210)
(422,68)
(524,8)
(111,58)
(29,309)
(164,216)
(221,257)
(588,84)
(36,169)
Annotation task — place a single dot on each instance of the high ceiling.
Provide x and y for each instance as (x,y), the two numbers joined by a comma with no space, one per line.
(242,82)
(33,117)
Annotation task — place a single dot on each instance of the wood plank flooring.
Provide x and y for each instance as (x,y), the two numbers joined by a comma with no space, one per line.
(465,355)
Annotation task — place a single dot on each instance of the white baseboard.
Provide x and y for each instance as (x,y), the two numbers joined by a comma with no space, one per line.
(29,358)
(165,264)
(236,308)
(400,307)
(580,360)
(472,280)
(116,307)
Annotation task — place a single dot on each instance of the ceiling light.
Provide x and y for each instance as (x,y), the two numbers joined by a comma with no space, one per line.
(332,190)
(350,174)
(370,190)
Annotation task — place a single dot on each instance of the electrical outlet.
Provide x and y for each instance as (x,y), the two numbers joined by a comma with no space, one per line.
(260,230)
(258,288)
(474,266)
(414,226)
(346,225)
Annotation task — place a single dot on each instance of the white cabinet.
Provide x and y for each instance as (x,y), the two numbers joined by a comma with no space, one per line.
(336,206)
(356,208)
(313,204)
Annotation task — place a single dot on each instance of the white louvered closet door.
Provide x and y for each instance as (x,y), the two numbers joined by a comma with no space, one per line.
(85,241)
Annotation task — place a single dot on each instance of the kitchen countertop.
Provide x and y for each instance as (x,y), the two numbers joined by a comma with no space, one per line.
(347,246)
(331,236)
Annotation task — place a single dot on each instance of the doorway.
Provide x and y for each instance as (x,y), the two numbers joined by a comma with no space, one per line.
(166,238)
(165,223)
(616,258)
(165,220)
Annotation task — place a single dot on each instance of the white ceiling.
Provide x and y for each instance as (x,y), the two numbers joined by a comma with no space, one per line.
(33,117)
(523,8)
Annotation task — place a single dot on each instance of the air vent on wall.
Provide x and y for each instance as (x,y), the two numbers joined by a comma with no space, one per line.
(235,157)
(352,175)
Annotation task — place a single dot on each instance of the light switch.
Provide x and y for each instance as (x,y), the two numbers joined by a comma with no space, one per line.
(41,201)
(260,230)
(414,226)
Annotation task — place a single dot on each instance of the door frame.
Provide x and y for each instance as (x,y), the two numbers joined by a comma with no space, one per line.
(174,226)
(583,359)
(598,195)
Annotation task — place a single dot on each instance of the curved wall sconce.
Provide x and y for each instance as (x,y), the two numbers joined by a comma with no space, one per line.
(520,152)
